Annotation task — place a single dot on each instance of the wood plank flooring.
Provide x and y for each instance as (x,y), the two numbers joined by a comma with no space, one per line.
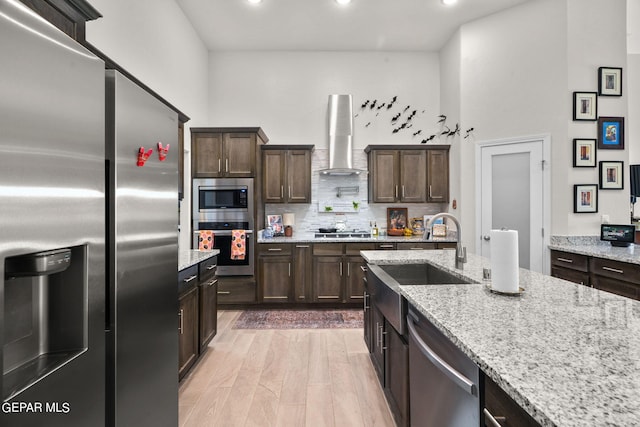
(294,377)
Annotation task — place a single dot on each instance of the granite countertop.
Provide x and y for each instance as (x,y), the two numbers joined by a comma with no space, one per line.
(593,246)
(568,354)
(308,237)
(189,257)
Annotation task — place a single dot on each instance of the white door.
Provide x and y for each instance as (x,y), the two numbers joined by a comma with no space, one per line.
(513,193)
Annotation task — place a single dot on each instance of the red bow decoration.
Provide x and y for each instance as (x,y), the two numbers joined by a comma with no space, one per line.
(162,151)
(142,156)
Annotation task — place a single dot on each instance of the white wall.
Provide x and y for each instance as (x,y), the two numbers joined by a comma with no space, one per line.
(153,40)
(631,77)
(286,93)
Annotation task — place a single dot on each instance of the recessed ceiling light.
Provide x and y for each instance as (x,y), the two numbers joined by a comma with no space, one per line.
(449,2)
(254,1)
(343,1)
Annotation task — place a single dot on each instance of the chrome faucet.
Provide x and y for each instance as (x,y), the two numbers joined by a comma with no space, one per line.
(461,251)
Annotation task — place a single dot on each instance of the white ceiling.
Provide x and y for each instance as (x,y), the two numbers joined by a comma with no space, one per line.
(323,25)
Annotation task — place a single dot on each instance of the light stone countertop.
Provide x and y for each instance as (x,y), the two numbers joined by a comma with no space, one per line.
(189,257)
(593,246)
(568,354)
(308,237)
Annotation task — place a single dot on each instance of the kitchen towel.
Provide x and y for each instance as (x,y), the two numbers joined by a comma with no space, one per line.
(504,260)
(238,247)
(205,240)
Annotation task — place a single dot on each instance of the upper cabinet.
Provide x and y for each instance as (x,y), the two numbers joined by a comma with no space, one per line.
(225,152)
(408,174)
(286,173)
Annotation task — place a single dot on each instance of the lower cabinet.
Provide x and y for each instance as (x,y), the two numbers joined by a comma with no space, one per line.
(327,279)
(396,382)
(502,411)
(187,330)
(208,311)
(302,274)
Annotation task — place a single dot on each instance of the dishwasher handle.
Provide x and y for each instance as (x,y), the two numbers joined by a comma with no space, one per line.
(461,381)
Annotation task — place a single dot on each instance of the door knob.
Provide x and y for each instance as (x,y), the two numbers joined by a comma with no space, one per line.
(486,237)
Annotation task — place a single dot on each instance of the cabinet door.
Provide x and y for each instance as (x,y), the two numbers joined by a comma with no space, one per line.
(327,278)
(354,278)
(383,186)
(397,375)
(273,166)
(616,286)
(275,278)
(302,274)
(188,331)
(206,155)
(239,155)
(298,187)
(413,176)
(378,336)
(574,276)
(438,176)
(208,311)
(368,327)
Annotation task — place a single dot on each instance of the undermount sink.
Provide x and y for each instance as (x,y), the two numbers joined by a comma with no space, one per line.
(421,274)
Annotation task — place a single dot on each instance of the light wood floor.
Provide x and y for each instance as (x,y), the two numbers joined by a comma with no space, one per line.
(311,377)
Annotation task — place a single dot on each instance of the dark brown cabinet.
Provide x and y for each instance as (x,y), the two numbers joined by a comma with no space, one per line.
(275,273)
(208,285)
(327,279)
(500,410)
(377,347)
(571,267)
(286,174)
(187,330)
(303,275)
(408,174)
(225,152)
(438,176)
(397,375)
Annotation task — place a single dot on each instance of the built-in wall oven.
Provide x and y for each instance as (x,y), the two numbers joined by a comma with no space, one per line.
(222,205)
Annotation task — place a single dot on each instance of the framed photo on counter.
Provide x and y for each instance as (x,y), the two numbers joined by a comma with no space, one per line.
(275,223)
(585,106)
(584,153)
(611,175)
(609,81)
(585,198)
(611,133)
(396,220)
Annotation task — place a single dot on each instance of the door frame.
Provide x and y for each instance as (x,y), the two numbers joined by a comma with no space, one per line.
(546,189)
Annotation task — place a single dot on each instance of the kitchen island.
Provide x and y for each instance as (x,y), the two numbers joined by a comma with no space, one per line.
(569,355)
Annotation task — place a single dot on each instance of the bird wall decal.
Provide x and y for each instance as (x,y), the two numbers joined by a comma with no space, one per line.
(364,105)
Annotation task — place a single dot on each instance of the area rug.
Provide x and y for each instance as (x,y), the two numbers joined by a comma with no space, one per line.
(299,319)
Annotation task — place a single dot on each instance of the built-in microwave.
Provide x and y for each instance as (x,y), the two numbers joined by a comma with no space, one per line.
(211,195)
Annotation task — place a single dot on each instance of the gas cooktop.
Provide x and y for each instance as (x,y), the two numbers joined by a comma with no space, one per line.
(344,234)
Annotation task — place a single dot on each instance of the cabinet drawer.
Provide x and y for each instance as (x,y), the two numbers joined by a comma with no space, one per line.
(274,249)
(385,246)
(579,277)
(355,248)
(415,245)
(236,291)
(570,260)
(327,249)
(187,278)
(617,287)
(207,268)
(499,407)
(616,270)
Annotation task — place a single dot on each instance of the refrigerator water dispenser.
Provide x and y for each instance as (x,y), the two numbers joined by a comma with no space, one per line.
(44,314)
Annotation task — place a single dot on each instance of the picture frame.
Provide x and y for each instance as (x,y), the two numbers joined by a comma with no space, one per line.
(610,81)
(611,175)
(585,106)
(275,223)
(584,153)
(611,133)
(397,220)
(585,198)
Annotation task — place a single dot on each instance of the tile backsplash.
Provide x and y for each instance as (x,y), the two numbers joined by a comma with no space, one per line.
(324,192)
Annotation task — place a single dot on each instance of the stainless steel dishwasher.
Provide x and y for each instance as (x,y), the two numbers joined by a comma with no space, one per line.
(444,384)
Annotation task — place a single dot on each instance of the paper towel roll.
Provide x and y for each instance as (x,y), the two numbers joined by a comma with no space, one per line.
(504,260)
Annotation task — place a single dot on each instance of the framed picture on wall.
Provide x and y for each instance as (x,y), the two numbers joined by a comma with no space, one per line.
(609,81)
(584,153)
(585,198)
(585,106)
(611,133)
(611,175)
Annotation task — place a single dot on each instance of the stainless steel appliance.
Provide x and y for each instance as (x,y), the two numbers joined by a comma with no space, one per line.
(444,386)
(52,241)
(142,232)
(222,205)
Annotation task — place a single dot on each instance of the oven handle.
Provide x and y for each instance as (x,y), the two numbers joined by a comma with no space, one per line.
(222,232)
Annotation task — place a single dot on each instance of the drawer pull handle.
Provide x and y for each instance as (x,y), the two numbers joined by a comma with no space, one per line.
(565,260)
(275,249)
(328,296)
(613,270)
(364,269)
(386,246)
(493,421)
(302,246)
(189,279)
(224,293)
(213,282)
(180,327)
(212,266)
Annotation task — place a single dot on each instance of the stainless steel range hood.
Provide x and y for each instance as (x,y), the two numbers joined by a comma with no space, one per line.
(340,118)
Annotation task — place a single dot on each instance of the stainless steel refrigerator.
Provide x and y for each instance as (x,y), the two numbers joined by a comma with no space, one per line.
(142,338)
(52,225)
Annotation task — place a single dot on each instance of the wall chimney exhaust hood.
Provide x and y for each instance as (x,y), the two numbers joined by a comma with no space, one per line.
(340,118)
